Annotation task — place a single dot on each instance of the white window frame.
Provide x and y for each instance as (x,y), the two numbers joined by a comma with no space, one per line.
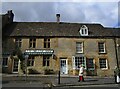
(73,61)
(106,63)
(84,30)
(80,44)
(104,47)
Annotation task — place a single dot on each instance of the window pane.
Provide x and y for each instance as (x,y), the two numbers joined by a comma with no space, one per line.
(101,47)
(46,43)
(34,40)
(45,40)
(5,61)
(32,43)
(103,63)
(79,47)
(48,40)
(18,42)
(82,31)
(30,61)
(85,31)
(46,61)
(78,61)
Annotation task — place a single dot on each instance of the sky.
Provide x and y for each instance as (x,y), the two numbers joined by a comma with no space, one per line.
(74,11)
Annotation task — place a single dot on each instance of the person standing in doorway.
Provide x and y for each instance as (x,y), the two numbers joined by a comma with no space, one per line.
(81,71)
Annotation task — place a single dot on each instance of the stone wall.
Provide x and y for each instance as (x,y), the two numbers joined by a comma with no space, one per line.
(66,48)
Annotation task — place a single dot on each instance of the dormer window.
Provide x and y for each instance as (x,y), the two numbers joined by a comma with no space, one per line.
(84,30)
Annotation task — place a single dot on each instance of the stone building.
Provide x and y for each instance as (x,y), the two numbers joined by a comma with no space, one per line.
(62,46)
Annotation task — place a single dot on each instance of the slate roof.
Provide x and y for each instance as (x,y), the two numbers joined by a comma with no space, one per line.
(53,29)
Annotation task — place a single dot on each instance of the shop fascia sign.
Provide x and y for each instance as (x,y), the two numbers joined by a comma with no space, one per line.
(39,51)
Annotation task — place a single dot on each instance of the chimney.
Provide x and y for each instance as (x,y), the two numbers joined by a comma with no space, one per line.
(10,16)
(58,18)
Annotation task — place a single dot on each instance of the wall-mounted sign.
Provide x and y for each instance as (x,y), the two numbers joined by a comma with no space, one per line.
(39,51)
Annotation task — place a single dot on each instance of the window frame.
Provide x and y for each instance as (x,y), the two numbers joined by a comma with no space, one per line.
(106,63)
(5,63)
(81,47)
(84,30)
(18,42)
(32,43)
(46,61)
(30,61)
(76,67)
(104,47)
(47,42)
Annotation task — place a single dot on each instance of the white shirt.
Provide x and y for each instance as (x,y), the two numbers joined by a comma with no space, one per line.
(81,71)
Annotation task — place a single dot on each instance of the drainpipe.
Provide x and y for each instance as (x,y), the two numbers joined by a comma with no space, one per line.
(116,52)
(59,72)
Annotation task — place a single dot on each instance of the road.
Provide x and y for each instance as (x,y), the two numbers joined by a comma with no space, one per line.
(110,86)
(66,82)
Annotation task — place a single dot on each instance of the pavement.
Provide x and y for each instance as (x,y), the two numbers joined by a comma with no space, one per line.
(52,80)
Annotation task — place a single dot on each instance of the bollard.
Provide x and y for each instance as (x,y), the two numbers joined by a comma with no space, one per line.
(59,77)
(118,79)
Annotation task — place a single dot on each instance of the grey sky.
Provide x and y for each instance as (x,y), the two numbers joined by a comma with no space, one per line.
(105,13)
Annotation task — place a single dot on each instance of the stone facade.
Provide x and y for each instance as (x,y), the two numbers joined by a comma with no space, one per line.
(65,48)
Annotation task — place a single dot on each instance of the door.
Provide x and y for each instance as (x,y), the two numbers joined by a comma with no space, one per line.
(90,66)
(15,66)
(63,67)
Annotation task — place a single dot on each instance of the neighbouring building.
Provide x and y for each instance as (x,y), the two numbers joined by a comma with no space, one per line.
(62,46)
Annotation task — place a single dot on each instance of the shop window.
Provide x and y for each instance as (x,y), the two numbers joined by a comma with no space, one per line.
(77,61)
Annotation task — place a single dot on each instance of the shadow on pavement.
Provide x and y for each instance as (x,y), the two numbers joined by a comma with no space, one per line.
(4,82)
(92,80)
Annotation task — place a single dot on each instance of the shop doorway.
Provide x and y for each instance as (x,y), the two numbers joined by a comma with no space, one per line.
(63,66)
(90,66)
(15,66)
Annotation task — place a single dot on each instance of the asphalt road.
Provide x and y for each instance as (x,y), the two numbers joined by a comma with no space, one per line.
(66,83)
(112,86)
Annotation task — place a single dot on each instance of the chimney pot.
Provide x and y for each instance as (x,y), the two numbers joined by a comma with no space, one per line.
(10,16)
(58,18)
